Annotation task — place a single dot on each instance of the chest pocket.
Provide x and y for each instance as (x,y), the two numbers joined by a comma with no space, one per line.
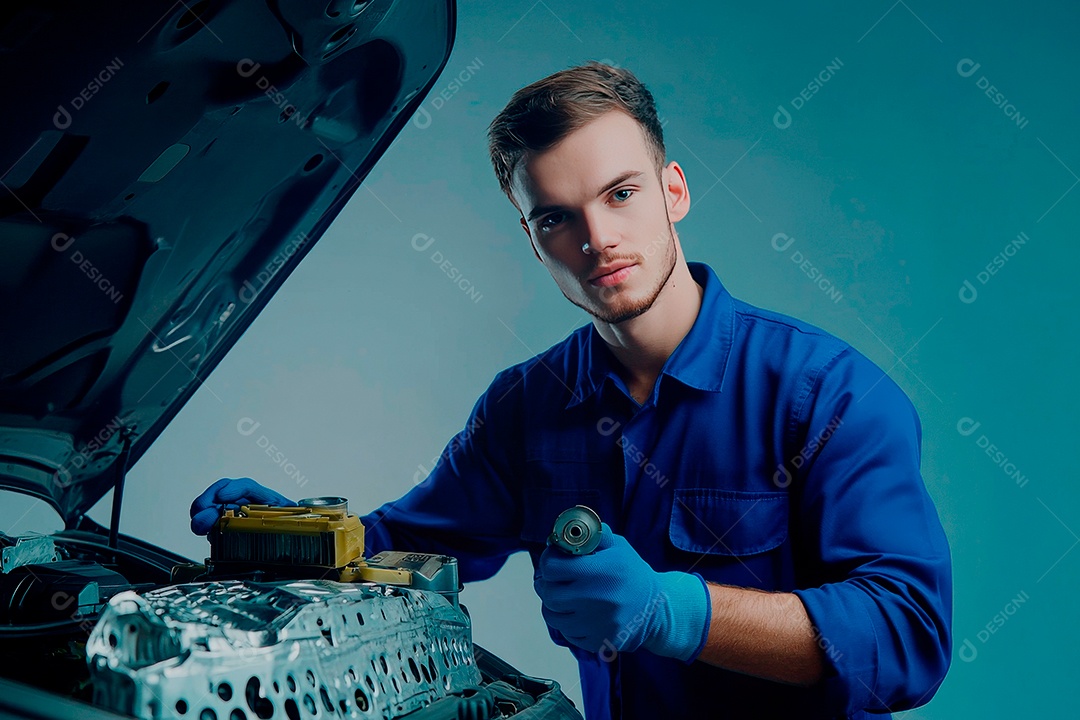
(728,522)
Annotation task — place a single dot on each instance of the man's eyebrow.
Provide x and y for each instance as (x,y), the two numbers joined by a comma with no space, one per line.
(622,177)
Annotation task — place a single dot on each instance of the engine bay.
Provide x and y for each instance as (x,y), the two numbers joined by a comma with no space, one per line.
(285,619)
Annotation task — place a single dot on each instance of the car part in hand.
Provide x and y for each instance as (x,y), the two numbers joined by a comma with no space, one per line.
(577,531)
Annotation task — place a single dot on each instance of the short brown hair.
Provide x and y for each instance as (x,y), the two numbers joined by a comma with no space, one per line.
(539,115)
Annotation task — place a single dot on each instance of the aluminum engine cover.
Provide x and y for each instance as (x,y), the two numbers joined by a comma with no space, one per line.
(296,649)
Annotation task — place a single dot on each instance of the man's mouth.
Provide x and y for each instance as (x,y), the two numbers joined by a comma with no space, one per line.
(611,274)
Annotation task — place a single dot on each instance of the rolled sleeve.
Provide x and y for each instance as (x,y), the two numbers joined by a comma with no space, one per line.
(468,506)
(878,584)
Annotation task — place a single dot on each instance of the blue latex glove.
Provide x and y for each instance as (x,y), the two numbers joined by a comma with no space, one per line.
(612,601)
(230,493)
(556,636)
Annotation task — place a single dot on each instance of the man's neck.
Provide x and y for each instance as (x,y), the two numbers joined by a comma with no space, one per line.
(643,344)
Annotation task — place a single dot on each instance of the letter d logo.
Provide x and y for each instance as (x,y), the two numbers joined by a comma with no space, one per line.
(61,242)
(246,426)
(422,237)
(781,478)
(968,651)
(247,293)
(966,426)
(62,118)
(967,67)
(247,67)
(608,652)
(606,426)
(422,118)
(781,236)
(782,118)
(968,293)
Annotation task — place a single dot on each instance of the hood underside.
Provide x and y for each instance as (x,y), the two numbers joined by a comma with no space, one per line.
(165,167)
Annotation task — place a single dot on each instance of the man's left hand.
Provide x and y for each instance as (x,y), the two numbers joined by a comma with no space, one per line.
(611,600)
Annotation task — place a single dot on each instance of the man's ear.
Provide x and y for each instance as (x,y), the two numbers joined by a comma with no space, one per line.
(525,227)
(676,191)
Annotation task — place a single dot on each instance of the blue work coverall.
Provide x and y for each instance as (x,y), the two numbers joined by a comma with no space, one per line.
(770,454)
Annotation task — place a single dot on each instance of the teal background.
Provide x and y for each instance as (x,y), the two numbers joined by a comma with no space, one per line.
(898,180)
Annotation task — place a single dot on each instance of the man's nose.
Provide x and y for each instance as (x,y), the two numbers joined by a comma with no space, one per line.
(600,232)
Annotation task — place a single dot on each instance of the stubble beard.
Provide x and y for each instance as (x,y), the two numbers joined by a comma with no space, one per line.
(615,313)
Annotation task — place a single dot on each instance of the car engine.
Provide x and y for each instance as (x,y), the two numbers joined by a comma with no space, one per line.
(296,649)
(285,619)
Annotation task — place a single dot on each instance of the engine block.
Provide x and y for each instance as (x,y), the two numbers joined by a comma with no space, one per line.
(241,650)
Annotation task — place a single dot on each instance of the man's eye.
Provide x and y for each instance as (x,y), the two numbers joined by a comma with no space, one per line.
(628,192)
(550,221)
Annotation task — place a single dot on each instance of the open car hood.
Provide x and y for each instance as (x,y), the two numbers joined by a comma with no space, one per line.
(165,167)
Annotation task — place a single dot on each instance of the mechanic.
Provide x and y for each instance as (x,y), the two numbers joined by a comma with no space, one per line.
(770,549)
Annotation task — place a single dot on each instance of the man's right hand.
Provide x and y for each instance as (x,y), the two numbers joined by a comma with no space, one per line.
(230,493)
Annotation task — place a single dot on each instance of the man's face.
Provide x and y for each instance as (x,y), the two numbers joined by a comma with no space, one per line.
(599,186)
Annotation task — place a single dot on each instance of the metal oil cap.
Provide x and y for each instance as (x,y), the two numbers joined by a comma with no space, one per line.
(327,502)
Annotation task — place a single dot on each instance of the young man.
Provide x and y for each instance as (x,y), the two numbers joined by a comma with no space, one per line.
(769,549)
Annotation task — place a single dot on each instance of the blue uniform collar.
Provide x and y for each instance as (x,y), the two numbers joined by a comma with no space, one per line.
(698,361)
